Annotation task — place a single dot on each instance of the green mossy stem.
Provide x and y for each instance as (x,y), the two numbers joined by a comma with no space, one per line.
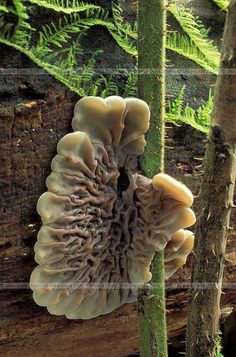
(151,88)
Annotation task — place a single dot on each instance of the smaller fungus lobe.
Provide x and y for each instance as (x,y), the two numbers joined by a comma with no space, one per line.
(102,222)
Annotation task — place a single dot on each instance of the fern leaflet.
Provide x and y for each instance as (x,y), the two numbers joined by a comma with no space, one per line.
(199,119)
(131,85)
(223,4)
(184,46)
(3,8)
(195,29)
(65,6)
(22,31)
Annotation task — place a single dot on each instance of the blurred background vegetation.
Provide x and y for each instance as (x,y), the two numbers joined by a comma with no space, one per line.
(90,47)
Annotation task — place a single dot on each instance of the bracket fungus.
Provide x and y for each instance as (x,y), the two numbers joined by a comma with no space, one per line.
(102,222)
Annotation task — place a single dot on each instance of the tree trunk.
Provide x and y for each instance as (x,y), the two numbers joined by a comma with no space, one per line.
(151,88)
(216,203)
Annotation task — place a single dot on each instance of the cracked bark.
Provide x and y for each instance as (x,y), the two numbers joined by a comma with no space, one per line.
(216,203)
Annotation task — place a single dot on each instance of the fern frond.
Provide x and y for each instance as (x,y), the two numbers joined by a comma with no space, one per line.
(184,46)
(22,32)
(131,88)
(57,34)
(4,8)
(65,6)
(175,107)
(125,35)
(196,31)
(117,13)
(110,87)
(123,32)
(51,69)
(21,12)
(67,58)
(204,112)
(123,40)
(199,119)
(223,4)
(78,80)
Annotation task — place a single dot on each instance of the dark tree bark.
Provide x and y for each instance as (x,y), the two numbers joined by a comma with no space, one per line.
(216,203)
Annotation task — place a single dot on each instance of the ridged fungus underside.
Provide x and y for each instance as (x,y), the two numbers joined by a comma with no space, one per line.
(102,222)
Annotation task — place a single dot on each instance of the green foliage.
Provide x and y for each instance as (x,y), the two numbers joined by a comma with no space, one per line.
(130,89)
(218,347)
(223,4)
(3,8)
(123,32)
(59,34)
(20,31)
(64,5)
(194,44)
(184,46)
(199,119)
(105,86)
(57,48)
(196,31)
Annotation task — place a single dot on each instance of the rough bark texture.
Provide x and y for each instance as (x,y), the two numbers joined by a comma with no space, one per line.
(216,203)
(151,88)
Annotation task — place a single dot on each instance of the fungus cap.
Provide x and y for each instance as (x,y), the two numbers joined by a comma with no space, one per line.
(102,222)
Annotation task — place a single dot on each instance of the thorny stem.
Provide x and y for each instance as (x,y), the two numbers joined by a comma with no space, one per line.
(151,87)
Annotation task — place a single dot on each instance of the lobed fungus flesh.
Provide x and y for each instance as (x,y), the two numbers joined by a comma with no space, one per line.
(102,222)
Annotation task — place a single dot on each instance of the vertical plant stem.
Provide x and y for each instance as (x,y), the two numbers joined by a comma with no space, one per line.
(216,202)
(151,88)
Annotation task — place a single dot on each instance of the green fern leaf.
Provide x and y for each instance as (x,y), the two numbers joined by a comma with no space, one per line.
(184,46)
(57,34)
(122,39)
(65,6)
(22,31)
(194,28)
(131,88)
(51,69)
(123,32)
(4,8)
(21,12)
(200,119)
(223,4)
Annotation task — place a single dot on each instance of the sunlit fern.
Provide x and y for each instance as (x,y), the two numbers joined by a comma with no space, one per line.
(223,4)
(21,31)
(61,63)
(130,88)
(58,47)
(59,34)
(218,347)
(194,28)
(64,5)
(184,46)
(3,8)
(194,44)
(199,118)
